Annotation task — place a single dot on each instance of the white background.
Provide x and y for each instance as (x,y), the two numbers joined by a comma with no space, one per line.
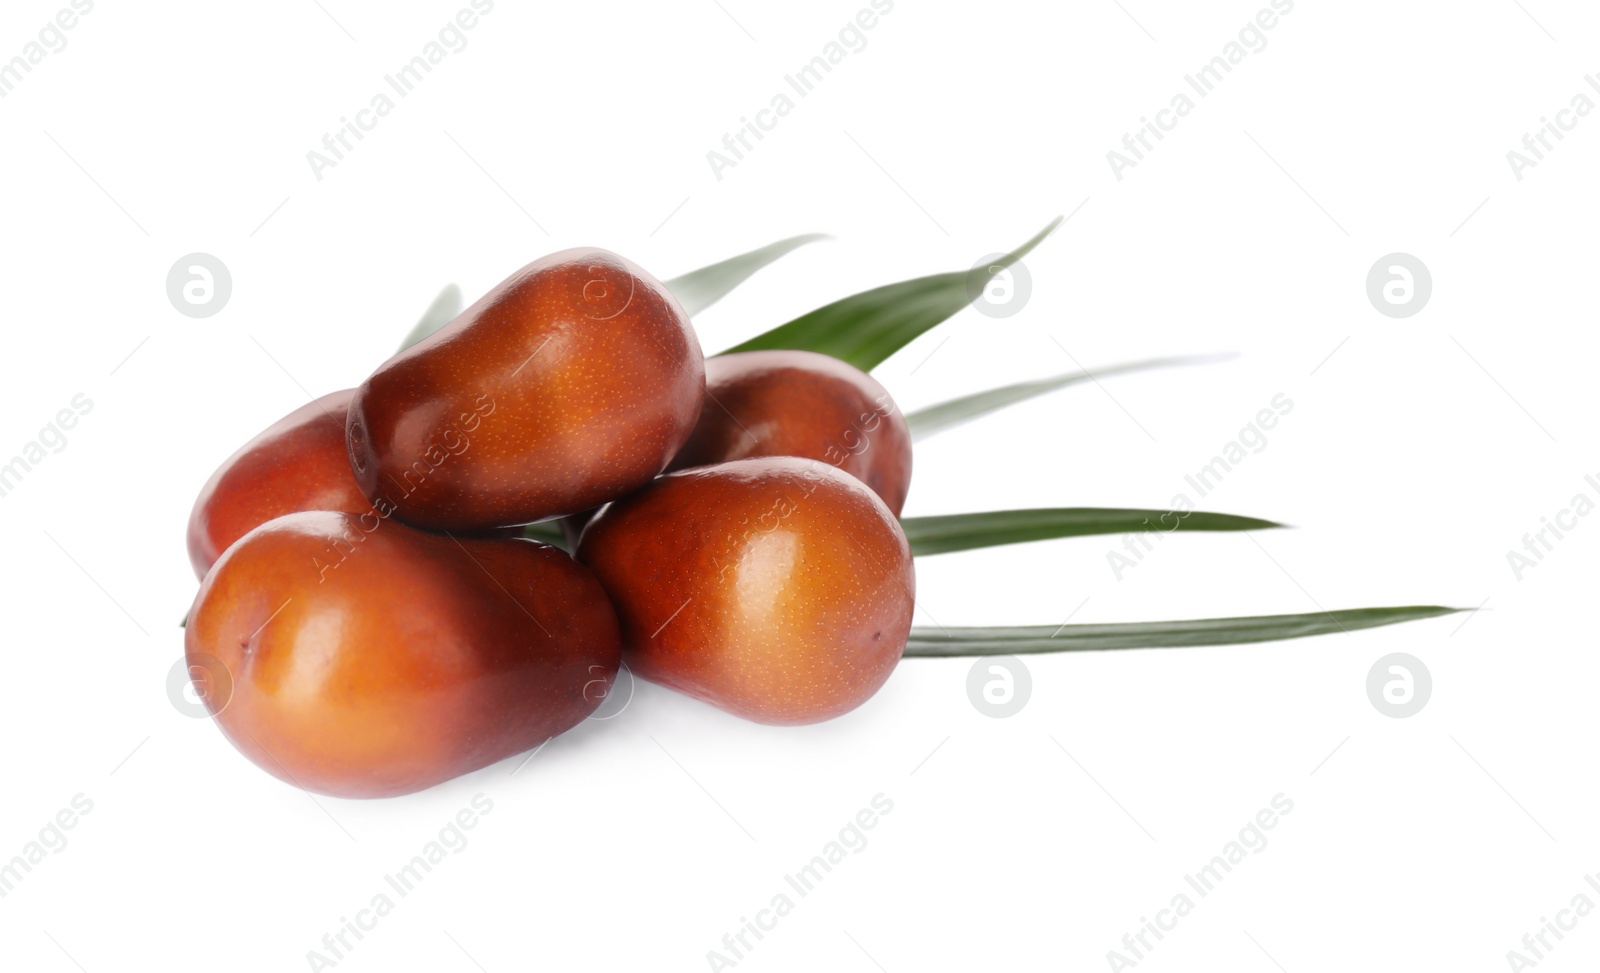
(1415,457)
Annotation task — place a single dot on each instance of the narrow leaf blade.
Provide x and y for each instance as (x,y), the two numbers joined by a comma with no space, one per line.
(964,532)
(699,289)
(955,642)
(441,312)
(866,328)
(548,531)
(936,418)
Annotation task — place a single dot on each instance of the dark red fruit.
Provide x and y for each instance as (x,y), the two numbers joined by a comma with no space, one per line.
(572,383)
(779,589)
(298,463)
(367,659)
(800,403)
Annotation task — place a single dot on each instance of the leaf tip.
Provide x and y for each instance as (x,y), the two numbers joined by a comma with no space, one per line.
(1037,239)
(1026,248)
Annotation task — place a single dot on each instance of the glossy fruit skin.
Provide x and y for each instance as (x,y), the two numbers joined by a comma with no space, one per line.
(572,383)
(800,403)
(779,589)
(363,658)
(298,463)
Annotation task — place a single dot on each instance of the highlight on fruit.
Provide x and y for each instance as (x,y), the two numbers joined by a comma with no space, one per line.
(448,564)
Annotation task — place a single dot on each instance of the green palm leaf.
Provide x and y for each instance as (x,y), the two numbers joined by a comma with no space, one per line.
(962,532)
(934,418)
(696,290)
(548,531)
(441,312)
(699,289)
(866,328)
(949,642)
